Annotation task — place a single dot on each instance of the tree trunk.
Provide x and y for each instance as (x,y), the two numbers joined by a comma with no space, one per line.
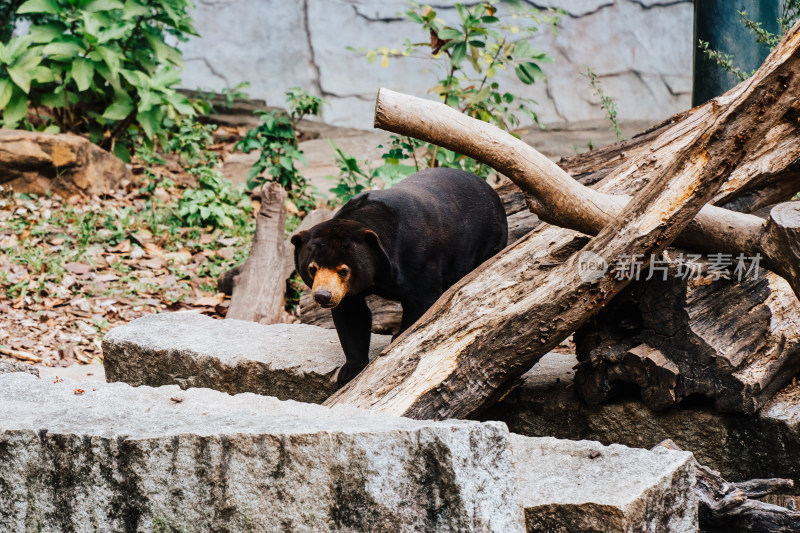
(726,507)
(259,287)
(493,325)
(225,281)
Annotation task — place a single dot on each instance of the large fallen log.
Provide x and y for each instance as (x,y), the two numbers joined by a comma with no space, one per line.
(727,507)
(496,323)
(258,288)
(558,199)
(675,337)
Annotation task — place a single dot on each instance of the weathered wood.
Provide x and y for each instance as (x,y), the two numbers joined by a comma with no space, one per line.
(225,280)
(732,507)
(733,342)
(558,199)
(259,288)
(496,323)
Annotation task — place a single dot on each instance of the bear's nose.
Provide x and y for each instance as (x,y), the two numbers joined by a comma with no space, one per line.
(323,297)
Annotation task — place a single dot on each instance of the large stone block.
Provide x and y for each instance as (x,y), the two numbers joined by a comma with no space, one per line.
(740,446)
(288,361)
(585,487)
(35,162)
(119,458)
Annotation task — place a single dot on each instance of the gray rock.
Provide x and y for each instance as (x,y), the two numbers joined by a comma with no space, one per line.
(741,447)
(119,458)
(288,361)
(585,487)
(12,366)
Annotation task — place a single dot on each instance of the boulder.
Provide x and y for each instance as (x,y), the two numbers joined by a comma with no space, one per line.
(288,361)
(585,487)
(741,447)
(12,366)
(33,162)
(111,457)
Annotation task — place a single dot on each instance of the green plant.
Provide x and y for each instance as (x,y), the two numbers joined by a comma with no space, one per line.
(276,139)
(468,56)
(100,67)
(208,102)
(607,103)
(355,177)
(790,14)
(216,202)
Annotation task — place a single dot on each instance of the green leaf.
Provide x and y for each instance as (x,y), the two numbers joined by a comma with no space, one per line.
(62,49)
(181,104)
(459,52)
(450,33)
(122,152)
(150,121)
(103,5)
(46,33)
(39,6)
(52,128)
(54,99)
(21,77)
(16,109)
(6,89)
(82,73)
(134,9)
(121,108)
(528,72)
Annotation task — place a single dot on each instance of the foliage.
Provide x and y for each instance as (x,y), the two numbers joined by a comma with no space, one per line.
(354,178)
(607,103)
(208,102)
(790,14)
(100,67)
(276,139)
(468,55)
(216,202)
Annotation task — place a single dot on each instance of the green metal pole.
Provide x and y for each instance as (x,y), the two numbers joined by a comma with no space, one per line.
(719,23)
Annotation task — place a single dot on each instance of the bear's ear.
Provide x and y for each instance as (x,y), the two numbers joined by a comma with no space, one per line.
(299,238)
(371,238)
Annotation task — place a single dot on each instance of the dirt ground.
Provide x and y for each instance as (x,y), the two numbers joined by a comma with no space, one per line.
(55,321)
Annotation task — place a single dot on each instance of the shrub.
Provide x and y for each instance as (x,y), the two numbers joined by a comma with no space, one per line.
(100,67)
(276,139)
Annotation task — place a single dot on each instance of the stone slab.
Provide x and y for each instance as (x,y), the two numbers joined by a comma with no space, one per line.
(122,458)
(13,366)
(741,447)
(288,361)
(585,487)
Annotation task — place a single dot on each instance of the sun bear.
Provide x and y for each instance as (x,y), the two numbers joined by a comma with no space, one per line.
(409,243)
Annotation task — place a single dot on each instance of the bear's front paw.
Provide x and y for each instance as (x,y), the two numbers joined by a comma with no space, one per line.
(348,372)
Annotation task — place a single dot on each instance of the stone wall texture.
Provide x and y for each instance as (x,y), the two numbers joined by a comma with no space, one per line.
(641,49)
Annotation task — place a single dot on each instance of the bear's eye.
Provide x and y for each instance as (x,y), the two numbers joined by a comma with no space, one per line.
(312,270)
(343,272)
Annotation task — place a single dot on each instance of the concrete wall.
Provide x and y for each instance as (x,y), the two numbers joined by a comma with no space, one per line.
(642,50)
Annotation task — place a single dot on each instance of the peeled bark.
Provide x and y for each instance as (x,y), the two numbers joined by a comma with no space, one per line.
(259,287)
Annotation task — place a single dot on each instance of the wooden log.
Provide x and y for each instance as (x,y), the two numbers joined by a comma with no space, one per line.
(259,288)
(733,342)
(558,199)
(225,280)
(497,322)
(488,329)
(732,508)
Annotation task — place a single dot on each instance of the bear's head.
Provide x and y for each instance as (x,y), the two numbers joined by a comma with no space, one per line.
(337,258)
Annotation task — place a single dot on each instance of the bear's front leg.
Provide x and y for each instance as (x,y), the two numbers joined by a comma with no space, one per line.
(353,321)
